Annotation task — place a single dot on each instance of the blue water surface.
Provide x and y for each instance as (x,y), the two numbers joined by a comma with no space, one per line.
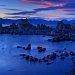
(12,64)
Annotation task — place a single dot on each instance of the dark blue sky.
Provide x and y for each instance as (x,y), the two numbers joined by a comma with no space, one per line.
(46,9)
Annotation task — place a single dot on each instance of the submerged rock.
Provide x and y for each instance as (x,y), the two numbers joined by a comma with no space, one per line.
(27,57)
(59,51)
(19,46)
(64,48)
(72,53)
(52,56)
(28,47)
(73,59)
(40,60)
(64,54)
(22,54)
(62,57)
(49,40)
(45,59)
(40,49)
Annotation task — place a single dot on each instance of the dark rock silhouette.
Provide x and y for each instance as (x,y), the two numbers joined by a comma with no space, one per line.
(19,47)
(63,32)
(52,56)
(28,47)
(72,53)
(25,48)
(41,49)
(24,27)
(62,57)
(49,59)
(64,54)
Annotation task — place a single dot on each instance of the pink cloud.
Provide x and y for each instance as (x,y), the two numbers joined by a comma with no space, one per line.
(43,2)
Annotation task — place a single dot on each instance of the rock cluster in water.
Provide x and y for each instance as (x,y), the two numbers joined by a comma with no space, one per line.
(41,49)
(25,48)
(48,59)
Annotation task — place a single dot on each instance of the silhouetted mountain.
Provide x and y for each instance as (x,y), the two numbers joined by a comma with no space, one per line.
(7,22)
(42,21)
(52,23)
(68,21)
(32,21)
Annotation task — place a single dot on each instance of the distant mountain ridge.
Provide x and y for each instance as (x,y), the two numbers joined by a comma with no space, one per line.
(8,21)
(52,23)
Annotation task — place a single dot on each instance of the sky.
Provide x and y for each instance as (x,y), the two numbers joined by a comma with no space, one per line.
(43,9)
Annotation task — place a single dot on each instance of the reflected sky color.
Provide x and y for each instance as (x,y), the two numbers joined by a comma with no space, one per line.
(45,9)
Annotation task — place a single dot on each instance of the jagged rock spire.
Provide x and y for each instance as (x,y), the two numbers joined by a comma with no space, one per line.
(24,21)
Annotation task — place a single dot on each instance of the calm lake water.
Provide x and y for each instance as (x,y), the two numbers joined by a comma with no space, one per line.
(12,64)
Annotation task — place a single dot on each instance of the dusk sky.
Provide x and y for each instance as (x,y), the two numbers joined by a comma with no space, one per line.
(45,9)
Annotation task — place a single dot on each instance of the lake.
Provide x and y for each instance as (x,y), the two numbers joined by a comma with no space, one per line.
(13,64)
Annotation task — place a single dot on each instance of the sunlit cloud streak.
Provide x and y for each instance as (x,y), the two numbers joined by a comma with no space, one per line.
(38,8)
(67,8)
(43,2)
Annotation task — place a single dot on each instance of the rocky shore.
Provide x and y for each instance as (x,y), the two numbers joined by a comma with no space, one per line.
(56,39)
(62,32)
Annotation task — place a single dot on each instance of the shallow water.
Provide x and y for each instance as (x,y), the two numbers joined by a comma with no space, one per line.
(12,64)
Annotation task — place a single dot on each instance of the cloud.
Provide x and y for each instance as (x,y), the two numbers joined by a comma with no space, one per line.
(67,7)
(34,11)
(69,10)
(14,17)
(70,14)
(43,2)
(32,1)
(18,17)
(12,9)
(23,13)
